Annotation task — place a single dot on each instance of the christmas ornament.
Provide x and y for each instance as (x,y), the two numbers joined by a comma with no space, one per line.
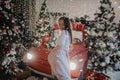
(80,27)
(56,26)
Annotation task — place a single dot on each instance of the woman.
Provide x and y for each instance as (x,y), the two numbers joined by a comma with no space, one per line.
(59,58)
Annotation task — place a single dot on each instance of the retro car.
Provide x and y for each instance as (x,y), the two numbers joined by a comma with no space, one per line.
(38,58)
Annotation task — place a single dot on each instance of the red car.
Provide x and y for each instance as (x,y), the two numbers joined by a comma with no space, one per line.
(38,58)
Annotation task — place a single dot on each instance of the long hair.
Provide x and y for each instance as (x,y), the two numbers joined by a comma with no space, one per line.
(67,25)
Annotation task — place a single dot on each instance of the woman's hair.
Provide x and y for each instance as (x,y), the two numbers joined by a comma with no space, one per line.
(67,25)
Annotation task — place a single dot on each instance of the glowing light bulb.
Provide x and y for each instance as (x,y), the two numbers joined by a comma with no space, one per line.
(115,2)
(72,65)
(29,56)
(118,7)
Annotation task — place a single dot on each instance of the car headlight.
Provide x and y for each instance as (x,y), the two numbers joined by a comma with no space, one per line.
(29,56)
(73,65)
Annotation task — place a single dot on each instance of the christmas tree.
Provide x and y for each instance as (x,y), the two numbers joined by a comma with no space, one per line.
(9,36)
(102,39)
(117,64)
(21,11)
(15,40)
(27,38)
(43,27)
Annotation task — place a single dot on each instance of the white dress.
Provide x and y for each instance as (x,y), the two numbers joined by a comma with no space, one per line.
(59,59)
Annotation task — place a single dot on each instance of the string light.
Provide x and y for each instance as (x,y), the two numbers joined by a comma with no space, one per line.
(29,56)
(72,65)
(118,7)
(115,2)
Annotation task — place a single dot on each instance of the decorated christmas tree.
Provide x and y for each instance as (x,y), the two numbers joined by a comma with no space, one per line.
(102,39)
(43,27)
(27,38)
(117,64)
(15,40)
(9,36)
(21,11)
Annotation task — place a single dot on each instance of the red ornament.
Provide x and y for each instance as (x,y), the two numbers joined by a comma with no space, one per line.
(17,30)
(6,28)
(80,27)
(8,49)
(5,46)
(12,25)
(1,69)
(14,78)
(14,67)
(56,26)
(0,15)
(2,52)
(3,3)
